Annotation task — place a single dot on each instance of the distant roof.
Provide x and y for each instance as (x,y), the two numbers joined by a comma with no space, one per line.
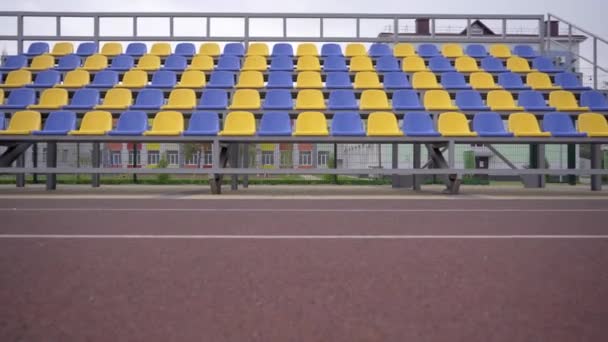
(479,24)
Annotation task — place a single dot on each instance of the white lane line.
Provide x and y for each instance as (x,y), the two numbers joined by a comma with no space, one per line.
(302,237)
(308,210)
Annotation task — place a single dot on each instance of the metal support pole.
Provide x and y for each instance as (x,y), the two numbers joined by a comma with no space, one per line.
(416,179)
(20,163)
(134,164)
(284,27)
(20,34)
(451,154)
(335,166)
(358,23)
(51,162)
(321,27)
(234,159)
(541,35)
(134,27)
(246,31)
(504,28)
(171,26)
(572,163)
(539,163)
(396,30)
(395,164)
(96,30)
(595,81)
(245,164)
(96,161)
(35,162)
(208,26)
(596,163)
(58,26)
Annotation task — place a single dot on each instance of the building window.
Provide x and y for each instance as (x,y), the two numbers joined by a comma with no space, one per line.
(267,157)
(305,158)
(153,157)
(172,158)
(323,157)
(207,158)
(193,160)
(131,157)
(116,158)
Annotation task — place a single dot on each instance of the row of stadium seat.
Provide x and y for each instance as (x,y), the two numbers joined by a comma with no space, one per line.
(283,63)
(240,123)
(284,49)
(371,99)
(283,79)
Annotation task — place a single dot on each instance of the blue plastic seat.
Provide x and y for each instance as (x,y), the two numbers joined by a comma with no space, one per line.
(347,124)
(86,49)
(470,100)
(163,79)
(454,81)
(387,64)
(489,125)
(281,63)
(419,125)
(58,123)
(334,63)
(533,101)
(380,50)
(68,63)
(19,99)
(406,100)
(338,80)
(234,49)
(2,121)
(396,80)
(275,123)
(185,49)
(493,64)
(136,49)
(512,81)
(14,62)
(279,79)
(278,99)
(525,51)
(175,62)
(342,100)
(331,49)
(544,64)
(560,125)
(282,49)
(148,99)
(37,48)
(595,100)
(213,99)
(569,81)
(84,99)
(104,79)
(228,63)
(131,123)
(440,64)
(428,51)
(221,79)
(121,63)
(476,51)
(203,123)
(46,79)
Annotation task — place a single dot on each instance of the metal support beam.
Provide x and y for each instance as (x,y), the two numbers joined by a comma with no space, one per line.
(215,181)
(572,163)
(596,163)
(395,165)
(35,162)
(20,178)
(51,161)
(335,166)
(245,164)
(234,163)
(417,180)
(96,161)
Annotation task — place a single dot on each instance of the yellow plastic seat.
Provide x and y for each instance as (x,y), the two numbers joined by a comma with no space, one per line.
(594,124)
(454,124)
(425,80)
(540,81)
(309,79)
(255,63)
(160,49)
(383,124)
(23,123)
(96,122)
(483,80)
(95,63)
(201,63)
(310,99)
(148,62)
(62,49)
(438,100)
(404,50)
(167,123)
(258,49)
(307,49)
(361,63)
(452,50)
(367,80)
(525,125)
(192,79)
(250,79)
(500,51)
(239,123)
(245,99)
(308,63)
(75,79)
(311,124)
(1,96)
(502,100)
(116,98)
(17,79)
(518,64)
(111,49)
(181,99)
(42,62)
(134,79)
(373,99)
(413,64)
(466,64)
(565,101)
(355,49)
(209,49)
(51,99)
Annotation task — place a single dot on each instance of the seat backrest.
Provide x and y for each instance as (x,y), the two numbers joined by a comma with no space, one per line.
(367,79)
(500,51)
(202,62)
(246,98)
(524,51)
(77,78)
(96,62)
(382,123)
(308,63)
(60,121)
(106,77)
(396,80)
(418,122)
(279,79)
(488,123)
(538,80)
(518,64)
(567,79)
(53,97)
(282,49)
(470,98)
(150,97)
(562,98)
(406,98)
(437,98)
(500,98)
(452,50)
(38,48)
(413,63)
(239,123)
(278,98)
(42,62)
(228,62)
(337,79)
(210,49)
(86,49)
(310,99)
(132,120)
(401,50)
(440,63)
(164,77)
(96,120)
(331,49)
(214,97)
(309,79)
(428,50)
(18,78)
(15,62)
(284,63)
(466,63)
(185,49)
(258,49)
(149,62)
(182,97)
(355,49)
(523,123)
(160,49)
(361,63)
(481,80)
(204,121)
(48,77)
(387,63)
(224,78)
(311,123)
(85,97)
(25,120)
(136,49)
(452,122)
(21,97)
(558,123)
(135,78)
(255,63)
(476,50)
(111,49)
(118,97)
(593,98)
(62,49)
(374,99)
(275,122)
(510,80)
(334,63)
(531,98)
(424,79)
(307,49)
(234,49)
(168,121)
(122,62)
(453,79)
(492,64)
(592,123)
(342,98)
(178,62)
(379,50)
(344,122)
(250,79)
